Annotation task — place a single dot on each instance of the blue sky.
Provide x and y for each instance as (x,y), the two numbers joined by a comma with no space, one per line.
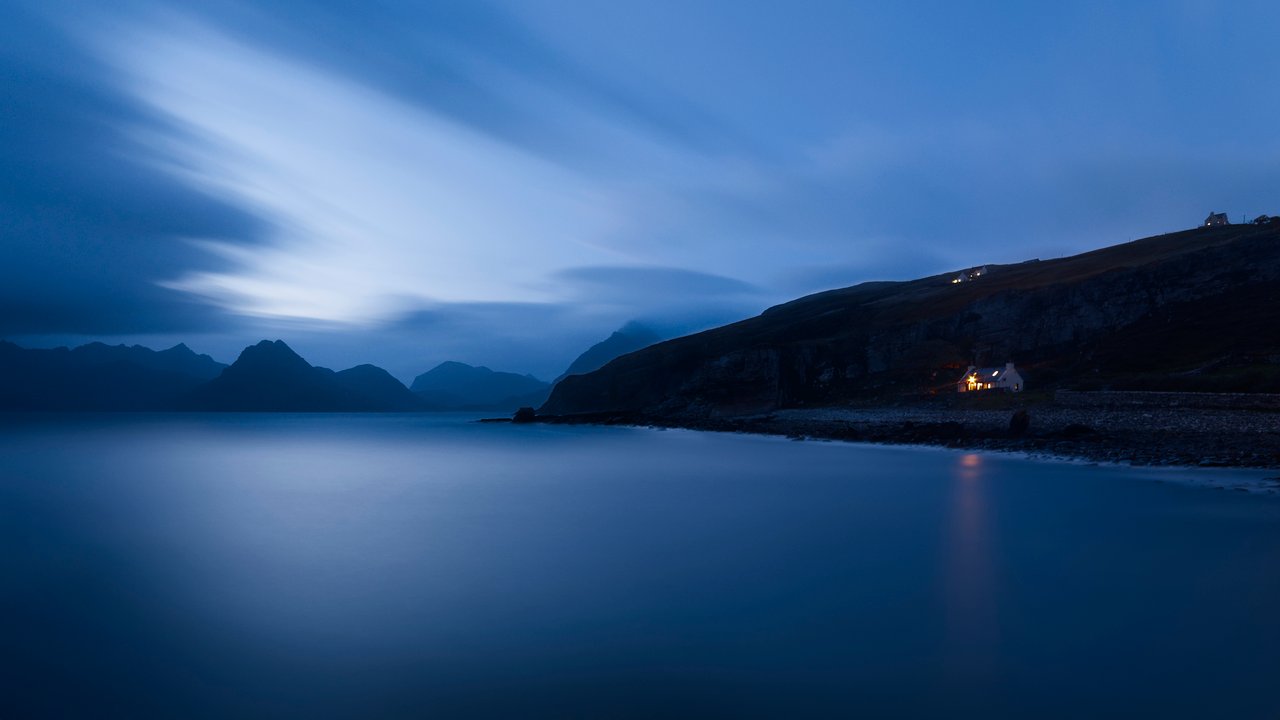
(504,183)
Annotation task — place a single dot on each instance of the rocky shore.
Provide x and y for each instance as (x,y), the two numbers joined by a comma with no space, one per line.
(1139,436)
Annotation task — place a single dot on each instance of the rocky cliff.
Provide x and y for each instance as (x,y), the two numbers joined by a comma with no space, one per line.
(1179,311)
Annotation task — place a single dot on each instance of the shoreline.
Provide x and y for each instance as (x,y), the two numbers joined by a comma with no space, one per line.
(1142,437)
(1253,480)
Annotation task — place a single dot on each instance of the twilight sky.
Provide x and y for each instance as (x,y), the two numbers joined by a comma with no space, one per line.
(504,183)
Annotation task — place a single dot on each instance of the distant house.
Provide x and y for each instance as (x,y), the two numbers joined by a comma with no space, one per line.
(1263,220)
(1216,219)
(1005,378)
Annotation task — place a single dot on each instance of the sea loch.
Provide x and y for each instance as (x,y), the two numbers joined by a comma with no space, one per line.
(420,565)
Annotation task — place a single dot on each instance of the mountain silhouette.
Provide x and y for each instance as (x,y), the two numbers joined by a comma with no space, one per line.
(631,337)
(370,388)
(100,377)
(271,377)
(458,386)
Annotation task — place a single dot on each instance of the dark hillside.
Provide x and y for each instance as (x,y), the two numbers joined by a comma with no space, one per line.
(1184,309)
(458,386)
(631,337)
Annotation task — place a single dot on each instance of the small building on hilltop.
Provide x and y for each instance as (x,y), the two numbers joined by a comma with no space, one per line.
(1216,219)
(977,379)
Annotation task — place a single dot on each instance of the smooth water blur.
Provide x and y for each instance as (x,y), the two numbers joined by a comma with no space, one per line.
(410,566)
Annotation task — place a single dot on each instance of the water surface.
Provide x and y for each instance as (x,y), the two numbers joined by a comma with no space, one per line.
(410,566)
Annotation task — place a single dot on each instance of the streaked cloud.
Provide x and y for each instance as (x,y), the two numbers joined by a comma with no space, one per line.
(374,205)
(450,177)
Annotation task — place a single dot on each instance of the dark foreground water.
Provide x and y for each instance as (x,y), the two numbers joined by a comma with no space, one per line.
(421,566)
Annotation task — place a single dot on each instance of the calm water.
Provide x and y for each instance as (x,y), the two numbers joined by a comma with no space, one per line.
(410,566)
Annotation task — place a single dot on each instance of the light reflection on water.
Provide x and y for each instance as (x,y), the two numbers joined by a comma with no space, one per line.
(420,565)
(972,627)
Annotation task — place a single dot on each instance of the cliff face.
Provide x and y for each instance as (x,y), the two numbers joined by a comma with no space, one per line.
(1173,310)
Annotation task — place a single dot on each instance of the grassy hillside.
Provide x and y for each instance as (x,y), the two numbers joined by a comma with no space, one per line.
(1186,310)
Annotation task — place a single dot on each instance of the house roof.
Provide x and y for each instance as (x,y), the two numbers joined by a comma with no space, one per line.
(984,374)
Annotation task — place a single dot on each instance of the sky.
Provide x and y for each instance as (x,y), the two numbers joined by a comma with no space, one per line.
(505,183)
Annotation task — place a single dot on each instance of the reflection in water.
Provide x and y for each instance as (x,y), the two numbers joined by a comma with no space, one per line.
(969,585)
(423,566)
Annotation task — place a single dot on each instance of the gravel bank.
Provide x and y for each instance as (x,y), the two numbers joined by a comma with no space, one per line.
(1140,436)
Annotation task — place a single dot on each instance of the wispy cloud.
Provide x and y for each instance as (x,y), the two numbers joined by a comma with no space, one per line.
(558,164)
(372,203)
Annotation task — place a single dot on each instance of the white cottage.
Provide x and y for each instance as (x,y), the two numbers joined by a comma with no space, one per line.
(1005,378)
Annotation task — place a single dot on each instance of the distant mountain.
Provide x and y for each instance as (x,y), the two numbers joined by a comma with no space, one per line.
(458,386)
(370,388)
(271,377)
(100,377)
(631,337)
(1192,310)
(178,359)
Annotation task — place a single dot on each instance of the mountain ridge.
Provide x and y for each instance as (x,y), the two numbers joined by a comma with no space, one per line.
(97,376)
(1193,297)
(271,377)
(629,338)
(454,385)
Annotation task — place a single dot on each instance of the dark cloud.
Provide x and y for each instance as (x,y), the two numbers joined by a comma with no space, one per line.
(648,286)
(537,338)
(457,59)
(924,143)
(88,223)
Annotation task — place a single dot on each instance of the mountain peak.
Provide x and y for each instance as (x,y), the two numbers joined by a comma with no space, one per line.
(626,339)
(270,376)
(270,347)
(455,365)
(270,357)
(457,385)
